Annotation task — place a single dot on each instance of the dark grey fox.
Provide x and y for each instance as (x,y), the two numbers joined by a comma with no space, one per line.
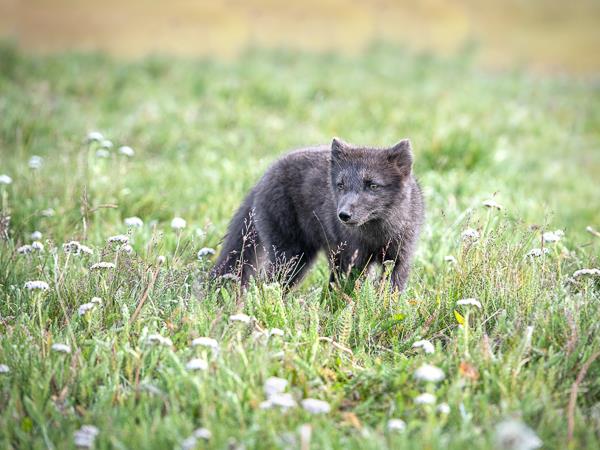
(360,205)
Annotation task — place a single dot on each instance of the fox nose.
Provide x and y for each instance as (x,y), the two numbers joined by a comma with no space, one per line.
(344,216)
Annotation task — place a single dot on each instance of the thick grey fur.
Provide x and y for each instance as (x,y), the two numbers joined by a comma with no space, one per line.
(294,212)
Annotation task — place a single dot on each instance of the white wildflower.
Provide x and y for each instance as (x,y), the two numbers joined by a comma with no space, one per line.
(37,285)
(25,250)
(196,364)
(94,136)
(202,433)
(37,246)
(106,144)
(515,435)
(206,342)
(425,399)
(35,162)
(470,233)
(126,151)
(492,204)
(426,345)
(469,302)
(450,259)
(191,442)
(443,408)
(126,249)
(283,401)
(61,348)
(552,236)
(49,212)
(429,373)
(178,223)
(275,332)
(159,340)
(73,247)
(84,308)
(4,368)
(314,406)
(274,385)
(205,252)
(134,222)
(537,252)
(161,259)
(396,425)
(5,179)
(103,265)
(119,238)
(85,249)
(240,318)
(96,300)
(85,436)
(36,236)
(586,272)
(102,153)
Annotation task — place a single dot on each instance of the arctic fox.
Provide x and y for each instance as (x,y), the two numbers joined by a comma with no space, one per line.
(360,205)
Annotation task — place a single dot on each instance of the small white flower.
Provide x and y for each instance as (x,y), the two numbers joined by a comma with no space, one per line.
(49,212)
(126,151)
(196,364)
(96,300)
(206,342)
(429,373)
(126,249)
(202,433)
(515,435)
(5,179)
(4,368)
(37,285)
(84,308)
(85,249)
(283,401)
(161,260)
(36,236)
(61,348)
(134,222)
(205,252)
(396,425)
(159,340)
(25,250)
(240,318)
(102,153)
(103,265)
(71,247)
(178,223)
(85,436)
(275,332)
(552,236)
(443,408)
(37,246)
(35,162)
(106,144)
(425,399)
(119,238)
(470,234)
(189,443)
(314,406)
(274,385)
(426,345)
(94,136)
(586,272)
(450,259)
(537,252)
(492,204)
(469,302)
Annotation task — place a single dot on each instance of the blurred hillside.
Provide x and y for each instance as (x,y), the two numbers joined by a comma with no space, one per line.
(549,35)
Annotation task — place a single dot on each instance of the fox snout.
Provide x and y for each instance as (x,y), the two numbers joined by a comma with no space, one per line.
(347,210)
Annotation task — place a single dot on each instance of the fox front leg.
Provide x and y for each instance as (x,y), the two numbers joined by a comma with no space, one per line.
(399,276)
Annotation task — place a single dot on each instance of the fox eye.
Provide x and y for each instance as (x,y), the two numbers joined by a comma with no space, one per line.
(373,186)
(340,186)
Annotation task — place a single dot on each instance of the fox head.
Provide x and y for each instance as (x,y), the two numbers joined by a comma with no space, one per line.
(367,183)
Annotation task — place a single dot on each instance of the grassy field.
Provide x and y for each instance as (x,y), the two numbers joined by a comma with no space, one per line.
(202,133)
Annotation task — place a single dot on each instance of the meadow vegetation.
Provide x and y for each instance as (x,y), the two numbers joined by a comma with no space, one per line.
(202,132)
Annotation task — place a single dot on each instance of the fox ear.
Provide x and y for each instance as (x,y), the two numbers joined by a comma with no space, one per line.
(338,148)
(401,156)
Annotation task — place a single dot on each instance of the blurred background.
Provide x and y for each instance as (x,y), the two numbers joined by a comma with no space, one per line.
(542,35)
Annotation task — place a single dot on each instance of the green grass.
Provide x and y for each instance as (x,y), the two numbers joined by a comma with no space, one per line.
(203,133)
